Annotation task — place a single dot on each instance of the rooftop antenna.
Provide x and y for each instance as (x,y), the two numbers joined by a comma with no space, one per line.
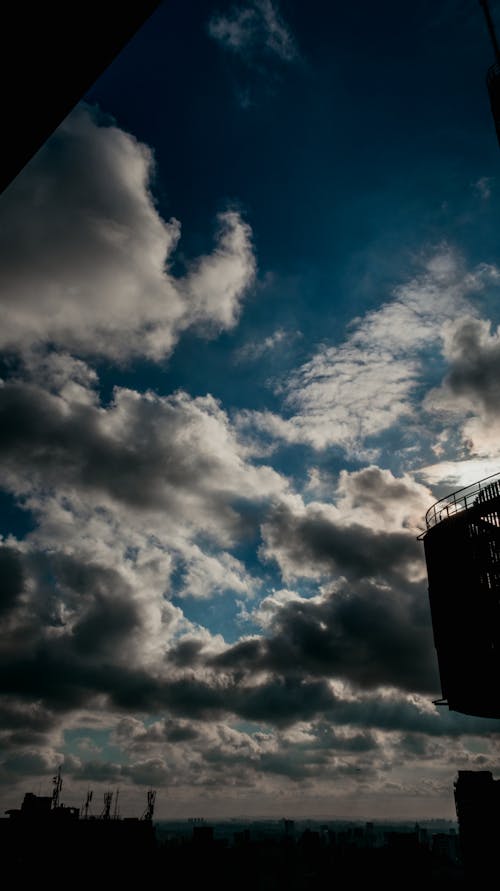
(493,73)
(87,803)
(56,792)
(108,797)
(115,812)
(148,813)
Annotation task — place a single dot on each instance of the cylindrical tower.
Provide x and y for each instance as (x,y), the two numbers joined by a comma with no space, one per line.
(462,551)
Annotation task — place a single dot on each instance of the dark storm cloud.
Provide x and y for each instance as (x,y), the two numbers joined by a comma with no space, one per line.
(57,443)
(11,578)
(61,674)
(278,700)
(91,605)
(370,637)
(94,771)
(396,714)
(19,716)
(70,640)
(179,733)
(187,653)
(24,725)
(24,763)
(74,640)
(173,453)
(475,366)
(314,541)
(71,644)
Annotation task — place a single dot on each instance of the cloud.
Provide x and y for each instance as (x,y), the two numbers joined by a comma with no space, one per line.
(255,28)
(12,580)
(313,543)
(482,187)
(85,254)
(205,575)
(369,623)
(174,454)
(348,395)
(367,530)
(377,499)
(365,634)
(254,350)
(471,387)
(457,474)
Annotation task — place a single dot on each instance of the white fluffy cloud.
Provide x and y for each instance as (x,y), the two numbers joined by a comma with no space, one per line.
(348,394)
(85,254)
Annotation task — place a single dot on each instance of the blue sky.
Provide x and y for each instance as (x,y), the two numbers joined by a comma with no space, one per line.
(250,301)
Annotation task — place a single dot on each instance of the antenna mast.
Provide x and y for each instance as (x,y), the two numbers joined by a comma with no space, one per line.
(87,803)
(148,813)
(56,792)
(108,798)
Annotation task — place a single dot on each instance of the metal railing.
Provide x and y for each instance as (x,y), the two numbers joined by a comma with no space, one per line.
(484,490)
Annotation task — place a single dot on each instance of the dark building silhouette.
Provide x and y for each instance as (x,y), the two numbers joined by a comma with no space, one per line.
(493,73)
(477,800)
(462,551)
(51,55)
(42,828)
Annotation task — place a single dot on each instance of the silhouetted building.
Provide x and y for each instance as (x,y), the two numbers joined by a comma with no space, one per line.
(51,55)
(203,835)
(41,828)
(477,800)
(462,551)
(445,846)
(493,74)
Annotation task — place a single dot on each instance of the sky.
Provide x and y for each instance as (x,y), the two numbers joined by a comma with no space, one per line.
(250,305)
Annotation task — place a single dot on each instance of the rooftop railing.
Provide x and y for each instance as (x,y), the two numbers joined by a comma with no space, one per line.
(483,491)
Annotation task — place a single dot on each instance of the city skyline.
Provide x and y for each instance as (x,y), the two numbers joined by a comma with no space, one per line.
(249,301)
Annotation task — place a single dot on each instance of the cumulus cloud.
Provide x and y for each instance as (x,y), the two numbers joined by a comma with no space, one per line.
(254,28)
(85,254)
(347,395)
(11,574)
(366,635)
(367,530)
(471,387)
(173,454)
(313,543)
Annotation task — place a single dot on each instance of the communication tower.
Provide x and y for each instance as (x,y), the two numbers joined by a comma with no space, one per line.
(108,798)
(148,813)
(56,791)
(87,804)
